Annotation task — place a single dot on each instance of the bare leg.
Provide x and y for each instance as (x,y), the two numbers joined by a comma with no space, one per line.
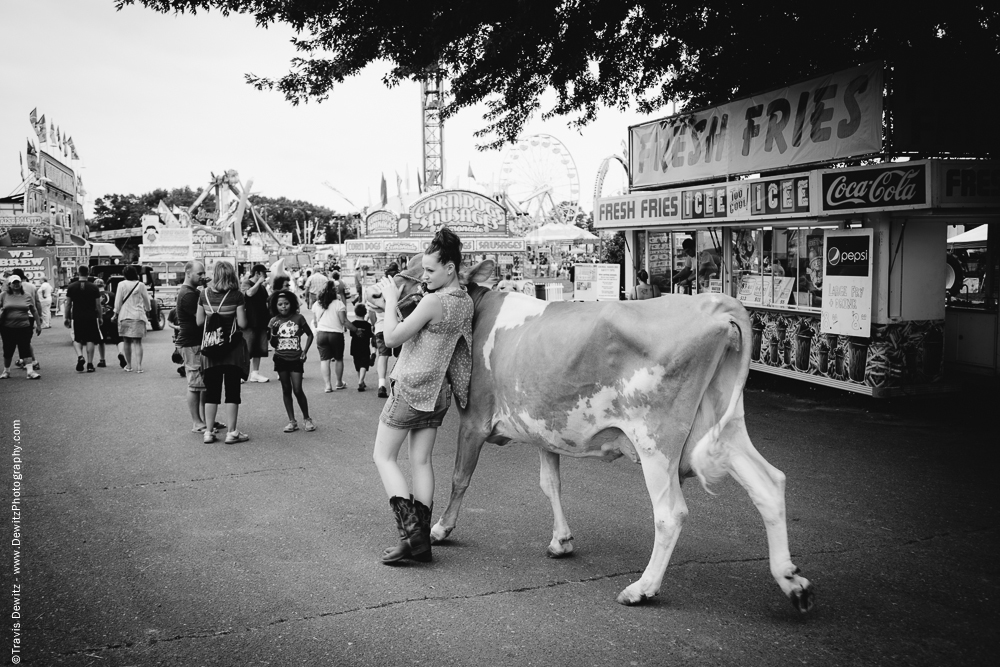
(195,408)
(137,353)
(421,470)
(381,367)
(338,367)
(562,539)
(286,393)
(232,414)
(324,372)
(300,395)
(128,353)
(90,353)
(388,440)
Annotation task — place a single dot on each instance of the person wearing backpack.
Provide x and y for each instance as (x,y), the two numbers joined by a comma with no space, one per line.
(222,314)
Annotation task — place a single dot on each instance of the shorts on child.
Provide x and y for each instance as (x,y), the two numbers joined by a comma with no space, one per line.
(288,365)
(397,413)
(362,362)
(383,351)
(330,345)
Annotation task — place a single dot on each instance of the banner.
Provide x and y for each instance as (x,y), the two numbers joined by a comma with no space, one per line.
(898,185)
(35,262)
(596,282)
(465,213)
(820,120)
(847,282)
(967,183)
(786,196)
(382,224)
(496,245)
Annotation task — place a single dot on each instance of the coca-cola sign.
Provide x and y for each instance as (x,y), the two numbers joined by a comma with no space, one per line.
(901,185)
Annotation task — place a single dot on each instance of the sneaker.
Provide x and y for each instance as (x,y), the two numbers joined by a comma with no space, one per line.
(32,375)
(291,428)
(307,425)
(4,375)
(235,436)
(209,437)
(382,393)
(79,364)
(342,385)
(361,387)
(257,377)
(90,368)
(121,361)
(102,364)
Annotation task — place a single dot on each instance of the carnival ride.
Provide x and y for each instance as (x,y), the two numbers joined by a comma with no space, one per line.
(612,177)
(538,175)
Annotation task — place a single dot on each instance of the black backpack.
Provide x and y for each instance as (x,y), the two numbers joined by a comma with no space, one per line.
(217,338)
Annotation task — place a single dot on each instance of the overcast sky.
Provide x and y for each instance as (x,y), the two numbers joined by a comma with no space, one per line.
(155,100)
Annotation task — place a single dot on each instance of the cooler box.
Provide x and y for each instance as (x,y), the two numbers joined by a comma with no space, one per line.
(549,291)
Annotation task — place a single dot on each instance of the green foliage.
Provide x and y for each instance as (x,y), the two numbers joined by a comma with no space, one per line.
(609,53)
(613,248)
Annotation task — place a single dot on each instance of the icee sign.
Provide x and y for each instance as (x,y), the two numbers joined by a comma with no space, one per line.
(847,283)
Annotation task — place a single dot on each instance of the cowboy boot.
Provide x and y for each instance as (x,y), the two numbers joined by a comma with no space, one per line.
(409,530)
(424,515)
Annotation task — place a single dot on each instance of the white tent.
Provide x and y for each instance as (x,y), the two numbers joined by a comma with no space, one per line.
(104,250)
(977,235)
(554,232)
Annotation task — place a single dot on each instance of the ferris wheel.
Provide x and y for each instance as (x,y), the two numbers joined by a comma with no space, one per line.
(538,174)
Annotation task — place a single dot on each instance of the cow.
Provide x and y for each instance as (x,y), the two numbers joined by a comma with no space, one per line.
(659,381)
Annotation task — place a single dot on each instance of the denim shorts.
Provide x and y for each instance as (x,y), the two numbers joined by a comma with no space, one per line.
(397,413)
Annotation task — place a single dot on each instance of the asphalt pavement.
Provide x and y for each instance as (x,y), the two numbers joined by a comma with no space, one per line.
(140,545)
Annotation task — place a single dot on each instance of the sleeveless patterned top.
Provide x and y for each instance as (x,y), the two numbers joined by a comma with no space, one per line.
(438,352)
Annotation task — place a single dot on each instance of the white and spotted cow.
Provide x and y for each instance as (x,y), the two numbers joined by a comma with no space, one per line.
(659,381)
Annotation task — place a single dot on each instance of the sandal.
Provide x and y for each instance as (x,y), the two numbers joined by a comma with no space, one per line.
(292,427)
(307,425)
(235,436)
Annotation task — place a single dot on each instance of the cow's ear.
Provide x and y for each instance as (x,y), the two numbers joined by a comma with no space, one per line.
(479,273)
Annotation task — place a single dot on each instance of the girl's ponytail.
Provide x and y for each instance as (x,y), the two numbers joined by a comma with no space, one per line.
(448,247)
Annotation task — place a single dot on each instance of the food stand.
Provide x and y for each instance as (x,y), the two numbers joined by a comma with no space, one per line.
(841,269)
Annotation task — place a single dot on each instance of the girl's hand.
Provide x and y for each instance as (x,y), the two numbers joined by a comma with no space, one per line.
(304,354)
(389,291)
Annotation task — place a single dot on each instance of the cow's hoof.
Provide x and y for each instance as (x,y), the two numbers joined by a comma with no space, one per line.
(439,533)
(632,596)
(803,598)
(560,548)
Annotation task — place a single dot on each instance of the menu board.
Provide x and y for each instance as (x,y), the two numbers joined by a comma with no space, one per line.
(596,282)
(765,290)
(660,262)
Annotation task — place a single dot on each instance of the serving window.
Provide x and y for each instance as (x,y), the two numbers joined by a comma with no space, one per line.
(780,267)
(686,262)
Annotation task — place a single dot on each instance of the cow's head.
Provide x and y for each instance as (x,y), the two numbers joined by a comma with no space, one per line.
(412,288)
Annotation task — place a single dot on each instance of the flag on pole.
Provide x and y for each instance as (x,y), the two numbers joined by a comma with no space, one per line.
(420,186)
(385,191)
(471,175)
(72,149)
(32,157)
(24,174)
(52,134)
(408,189)
(399,187)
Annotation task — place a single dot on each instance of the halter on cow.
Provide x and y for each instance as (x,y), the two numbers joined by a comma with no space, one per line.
(659,381)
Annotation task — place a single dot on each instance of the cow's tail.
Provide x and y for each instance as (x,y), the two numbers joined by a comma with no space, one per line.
(709,456)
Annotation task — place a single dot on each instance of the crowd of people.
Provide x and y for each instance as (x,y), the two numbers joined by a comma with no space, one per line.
(224,328)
